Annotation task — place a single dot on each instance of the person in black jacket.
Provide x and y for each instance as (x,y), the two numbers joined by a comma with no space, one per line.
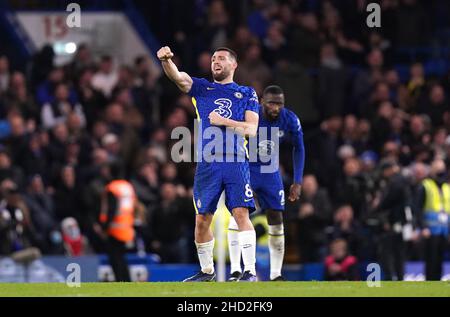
(391,207)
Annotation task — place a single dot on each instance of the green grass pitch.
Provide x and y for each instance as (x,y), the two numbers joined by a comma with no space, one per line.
(260,289)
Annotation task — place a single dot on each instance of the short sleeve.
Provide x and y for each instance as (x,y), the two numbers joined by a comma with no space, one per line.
(197,85)
(252,103)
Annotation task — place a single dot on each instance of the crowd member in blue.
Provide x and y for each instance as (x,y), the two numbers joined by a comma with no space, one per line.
(267,184)
(230,113)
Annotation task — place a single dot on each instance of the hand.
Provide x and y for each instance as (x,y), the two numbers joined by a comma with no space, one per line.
(426,233)
(164,53)
(305,210)
(99,231)
(216,119)
(334,268)
(295,191)
(375,202)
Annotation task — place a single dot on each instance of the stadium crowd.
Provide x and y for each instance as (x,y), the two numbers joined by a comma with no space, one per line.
(62,126)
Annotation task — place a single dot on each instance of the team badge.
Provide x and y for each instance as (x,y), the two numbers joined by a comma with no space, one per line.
(280,133)
(238,95)
(266,147)
(199,203)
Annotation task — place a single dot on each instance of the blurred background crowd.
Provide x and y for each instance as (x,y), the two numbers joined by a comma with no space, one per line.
(373,103)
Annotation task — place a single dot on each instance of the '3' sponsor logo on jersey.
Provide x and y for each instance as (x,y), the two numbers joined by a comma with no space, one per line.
(224,108)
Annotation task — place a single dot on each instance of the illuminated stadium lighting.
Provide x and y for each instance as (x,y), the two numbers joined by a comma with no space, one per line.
(70,47)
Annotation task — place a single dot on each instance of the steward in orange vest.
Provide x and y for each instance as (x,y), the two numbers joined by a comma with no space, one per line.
(117,214)
(117,218)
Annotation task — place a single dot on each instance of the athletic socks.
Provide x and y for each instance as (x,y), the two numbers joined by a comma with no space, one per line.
(205,256)
(247,241)
(234,247)
(276,249)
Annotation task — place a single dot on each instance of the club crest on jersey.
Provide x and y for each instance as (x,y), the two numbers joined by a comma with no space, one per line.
(266,147)
(199,203)
(224,108)
(238,95)
(280,133)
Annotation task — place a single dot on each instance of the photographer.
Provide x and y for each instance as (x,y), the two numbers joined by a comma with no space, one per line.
(392,206)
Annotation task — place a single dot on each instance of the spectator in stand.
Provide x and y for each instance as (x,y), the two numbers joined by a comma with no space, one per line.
(58,110)
(306,40)
(81,60)
(435,106)
(46,90)
(253,68)
(347,228)
(313,215)
(366,79)
(18,98)
(16,141)
(352,188)
(40,204)
(239,43)
(332,82)
(416,84)
(67,196)
(339,264)
(91,99)
(275,43)
(171,244)
(8,170)
(106,78)
(75,243)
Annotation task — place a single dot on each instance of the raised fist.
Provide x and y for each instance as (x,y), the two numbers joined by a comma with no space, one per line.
(164,53)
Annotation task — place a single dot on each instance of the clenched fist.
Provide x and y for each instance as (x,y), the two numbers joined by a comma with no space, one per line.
(216,119)
(164,53)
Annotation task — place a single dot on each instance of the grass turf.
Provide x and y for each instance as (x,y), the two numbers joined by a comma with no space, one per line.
(260,289)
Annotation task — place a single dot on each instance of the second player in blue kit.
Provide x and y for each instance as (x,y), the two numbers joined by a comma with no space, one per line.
(276,124)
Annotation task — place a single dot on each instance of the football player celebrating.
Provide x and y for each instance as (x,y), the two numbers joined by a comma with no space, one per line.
(233,110)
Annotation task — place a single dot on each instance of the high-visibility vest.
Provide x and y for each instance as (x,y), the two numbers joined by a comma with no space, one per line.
(436,200)
(121,225)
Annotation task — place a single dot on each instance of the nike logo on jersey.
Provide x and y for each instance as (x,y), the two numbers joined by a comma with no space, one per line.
(247,200)
(210,88)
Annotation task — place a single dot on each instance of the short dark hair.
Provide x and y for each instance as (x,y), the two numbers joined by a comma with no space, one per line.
(274,90)
(229,50)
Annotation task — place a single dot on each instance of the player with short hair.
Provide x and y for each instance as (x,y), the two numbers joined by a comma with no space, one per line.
(268,186)
(233,110)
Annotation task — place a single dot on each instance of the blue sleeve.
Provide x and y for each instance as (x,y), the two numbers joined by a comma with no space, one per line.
(298,150)
(197,85)
(252,103)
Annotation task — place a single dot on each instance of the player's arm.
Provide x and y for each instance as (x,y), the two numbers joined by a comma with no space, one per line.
(181,79)
(245,128)
(298,158)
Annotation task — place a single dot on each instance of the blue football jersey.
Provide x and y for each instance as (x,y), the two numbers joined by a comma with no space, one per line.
(289,129)
(230,101)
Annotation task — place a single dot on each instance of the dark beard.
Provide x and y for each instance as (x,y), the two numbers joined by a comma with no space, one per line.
(220,77)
